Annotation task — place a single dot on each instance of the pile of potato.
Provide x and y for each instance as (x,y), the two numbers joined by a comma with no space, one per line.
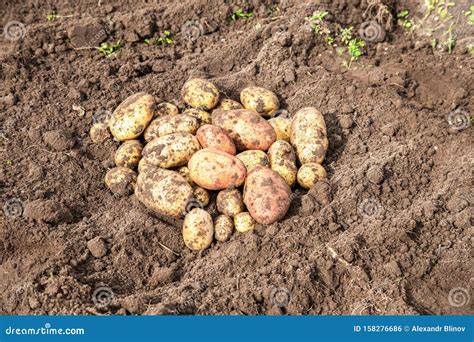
(243,151)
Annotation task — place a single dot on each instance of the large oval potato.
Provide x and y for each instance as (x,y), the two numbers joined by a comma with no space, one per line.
(171,124)
(283,160)
(228,104)
(309,174)
(129,154)
(215,137)
(199,93)
(198,230)
(259,99)
(309,135)
(248,129)
(171,150)
(229,202)
(213,169)
(163,191)
(121,180)
(202,116)
(223,228)
(166,108)
(244,222)
(252,158)
(132,116)
(282,127)
(266,195)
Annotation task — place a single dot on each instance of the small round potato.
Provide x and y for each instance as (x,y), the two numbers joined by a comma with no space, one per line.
(171,150)
(199,93)
(99,132)
(259,99)
(283,161)
(129,154)
(223,228)
(202,116)
(184,171)
(244,222)
(201,195)
(121,180)
(166,108)
(198,230)
(230,202)
(228,104)
(170,124)
(252,158)
(132,116)
(309,174)
(216,137)
(282,127)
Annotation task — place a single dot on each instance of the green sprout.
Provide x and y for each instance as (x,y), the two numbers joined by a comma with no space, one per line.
(470,15)
(354,47)
(108,49)
(9,162)
(451,40)
(403,19)
(164,39)
(443,9)
(54,16)
(346,35)
(316,20)
(240,14)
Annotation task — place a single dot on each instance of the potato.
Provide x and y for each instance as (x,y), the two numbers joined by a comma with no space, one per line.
(229,202)
(165,108)
(259,99)
(143,165)
(223,228)
(282,127)
(199,93)
(202,116)
(99,132)
(129,154)
(212,169)
(121,180)
(309,136)
(184,171)
(171,124)
(201,195)
(309,174)
(163,191)
(248,129)
(171,150)
(198,230)
(266,195)
(244,222)
(132,116)
(215,137)
(228,104)
(253,158)
(283,160)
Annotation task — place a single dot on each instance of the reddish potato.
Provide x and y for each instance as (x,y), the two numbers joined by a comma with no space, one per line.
(215,137)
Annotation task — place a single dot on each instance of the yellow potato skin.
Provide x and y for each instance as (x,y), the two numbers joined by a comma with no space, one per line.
(129,154)
(171,124)
(223,228)
(163,191)
(201,195)
(171,150)
(283,161)
(259,99)
(252,158)
(230,202)
(200,93)
(121,180)
(143,165)
(309,174)
(282,127)
(309,136)
(99,132)
(132,116)
(244,222)
(228,104)
(198,230)
(184,171)
(202,116)
(165,108)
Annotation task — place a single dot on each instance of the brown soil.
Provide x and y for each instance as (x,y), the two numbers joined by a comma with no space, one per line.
(389,233)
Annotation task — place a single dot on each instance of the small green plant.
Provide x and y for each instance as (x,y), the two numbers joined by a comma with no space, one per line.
(470,15)
(316,20)
(443,9)
(108,49)
(240,14)
(164,39)
(451,38)
(9,162)
(354,47)
(346,34)
(54,16)
(403,19)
